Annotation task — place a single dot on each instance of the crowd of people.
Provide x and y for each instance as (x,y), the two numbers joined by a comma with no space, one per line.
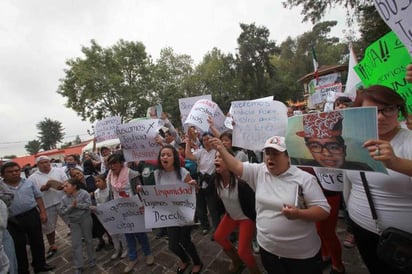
(279,203)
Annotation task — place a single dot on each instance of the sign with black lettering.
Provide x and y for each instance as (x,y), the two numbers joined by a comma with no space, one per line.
(186,104)
(330,179)
(138,139)
(123,215)
(398,16)
(200,112)
(169,205)
(106,129)
(256,121)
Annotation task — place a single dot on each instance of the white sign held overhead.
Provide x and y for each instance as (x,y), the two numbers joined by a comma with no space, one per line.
(186,104)
(106,129)
(138,139)
(200,112)
(256,121)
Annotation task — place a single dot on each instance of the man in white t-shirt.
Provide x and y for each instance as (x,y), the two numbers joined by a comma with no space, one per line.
(288,203)
(50,182)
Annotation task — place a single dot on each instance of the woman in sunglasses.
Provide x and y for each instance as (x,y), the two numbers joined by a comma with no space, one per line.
(392,192)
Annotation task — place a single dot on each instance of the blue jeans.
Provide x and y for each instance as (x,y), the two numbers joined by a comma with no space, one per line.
(131,244)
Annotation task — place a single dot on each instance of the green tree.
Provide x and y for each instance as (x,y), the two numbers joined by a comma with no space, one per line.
(77,140)
(10,156)
(108,82)
(169,75)
(216,75)
(50,133)
(33,147)
(256,72)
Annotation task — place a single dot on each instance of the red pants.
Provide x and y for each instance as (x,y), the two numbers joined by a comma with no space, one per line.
(327,232)
(247,229)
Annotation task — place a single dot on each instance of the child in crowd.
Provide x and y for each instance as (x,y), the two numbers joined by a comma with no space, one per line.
(76,206)
(101,195)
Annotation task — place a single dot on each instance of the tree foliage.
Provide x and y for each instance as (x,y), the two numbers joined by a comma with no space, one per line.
(33,147)
(314,10)
(256,72)
(50,133)
(108,82)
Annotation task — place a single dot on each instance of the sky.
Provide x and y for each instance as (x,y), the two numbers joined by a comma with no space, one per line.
(37,37)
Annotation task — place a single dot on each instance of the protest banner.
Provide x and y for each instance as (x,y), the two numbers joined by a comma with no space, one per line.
(330,179)
(323,87)
(169,205)
(138,139)
(397,15)
(106,129)
(385,63)
(229,116)
(334,139)
(123,215)
(256,121)
(200,112)
(186,104)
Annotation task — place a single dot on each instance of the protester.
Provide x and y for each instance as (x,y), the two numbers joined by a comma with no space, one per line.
(102,195)
(392,192)
(286,230)
(239,203)
(204,158)
(123,181)
(8,261)
(49,180)
(26,214)
(76,205)
(169,171)
(342,102)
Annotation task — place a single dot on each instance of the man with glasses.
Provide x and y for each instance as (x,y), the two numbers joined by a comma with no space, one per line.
(26,214)
(323,138)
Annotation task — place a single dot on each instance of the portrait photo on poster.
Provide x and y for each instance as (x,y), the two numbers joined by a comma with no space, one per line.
(334,139)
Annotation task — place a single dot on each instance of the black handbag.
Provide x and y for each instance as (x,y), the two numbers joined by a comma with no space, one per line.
(395,245)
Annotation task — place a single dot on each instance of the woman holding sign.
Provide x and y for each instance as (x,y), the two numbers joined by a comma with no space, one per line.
(122,182)
(391,193)
(180,243)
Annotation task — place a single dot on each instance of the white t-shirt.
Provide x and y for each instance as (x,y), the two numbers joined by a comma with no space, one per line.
(163,177)
(391,193)
(101,195)
(230,199)
(52,196)
(296,239)
(205,160)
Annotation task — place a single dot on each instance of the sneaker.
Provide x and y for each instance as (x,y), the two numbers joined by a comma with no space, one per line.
(130,265)
(149,260)
(255,247)
(115,255)
(349,241)
(51,253)
(124,254)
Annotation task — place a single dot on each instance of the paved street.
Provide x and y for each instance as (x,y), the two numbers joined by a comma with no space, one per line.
(214,260)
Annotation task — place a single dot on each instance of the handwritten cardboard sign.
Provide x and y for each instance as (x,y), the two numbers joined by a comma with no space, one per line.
(106,129)
(330,179)
(385,63)
(397,15)
(200,112)
(169,205)
(186,104)
(321,88)
(256,121)
(138,139)
(122,215)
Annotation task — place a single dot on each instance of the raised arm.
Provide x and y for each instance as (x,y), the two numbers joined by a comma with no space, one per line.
(232,163)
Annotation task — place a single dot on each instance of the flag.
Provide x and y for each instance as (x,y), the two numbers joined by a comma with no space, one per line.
(353,82)
(315,65)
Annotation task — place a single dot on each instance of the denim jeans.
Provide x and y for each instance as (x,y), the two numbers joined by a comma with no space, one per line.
(131,244)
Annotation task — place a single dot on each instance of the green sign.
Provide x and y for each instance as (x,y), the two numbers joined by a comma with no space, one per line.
(385,64)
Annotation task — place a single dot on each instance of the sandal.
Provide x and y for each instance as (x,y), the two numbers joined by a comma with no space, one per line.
(180,270)
(197,272)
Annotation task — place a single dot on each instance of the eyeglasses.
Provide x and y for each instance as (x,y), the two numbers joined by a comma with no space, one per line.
(334,148)
(389,111)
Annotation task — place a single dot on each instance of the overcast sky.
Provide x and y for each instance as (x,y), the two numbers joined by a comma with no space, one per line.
(37,37)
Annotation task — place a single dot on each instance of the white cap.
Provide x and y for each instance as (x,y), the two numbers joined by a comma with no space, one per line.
(42,158)
(276,142)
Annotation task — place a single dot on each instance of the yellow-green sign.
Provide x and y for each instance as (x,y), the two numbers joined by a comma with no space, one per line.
(385,64)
